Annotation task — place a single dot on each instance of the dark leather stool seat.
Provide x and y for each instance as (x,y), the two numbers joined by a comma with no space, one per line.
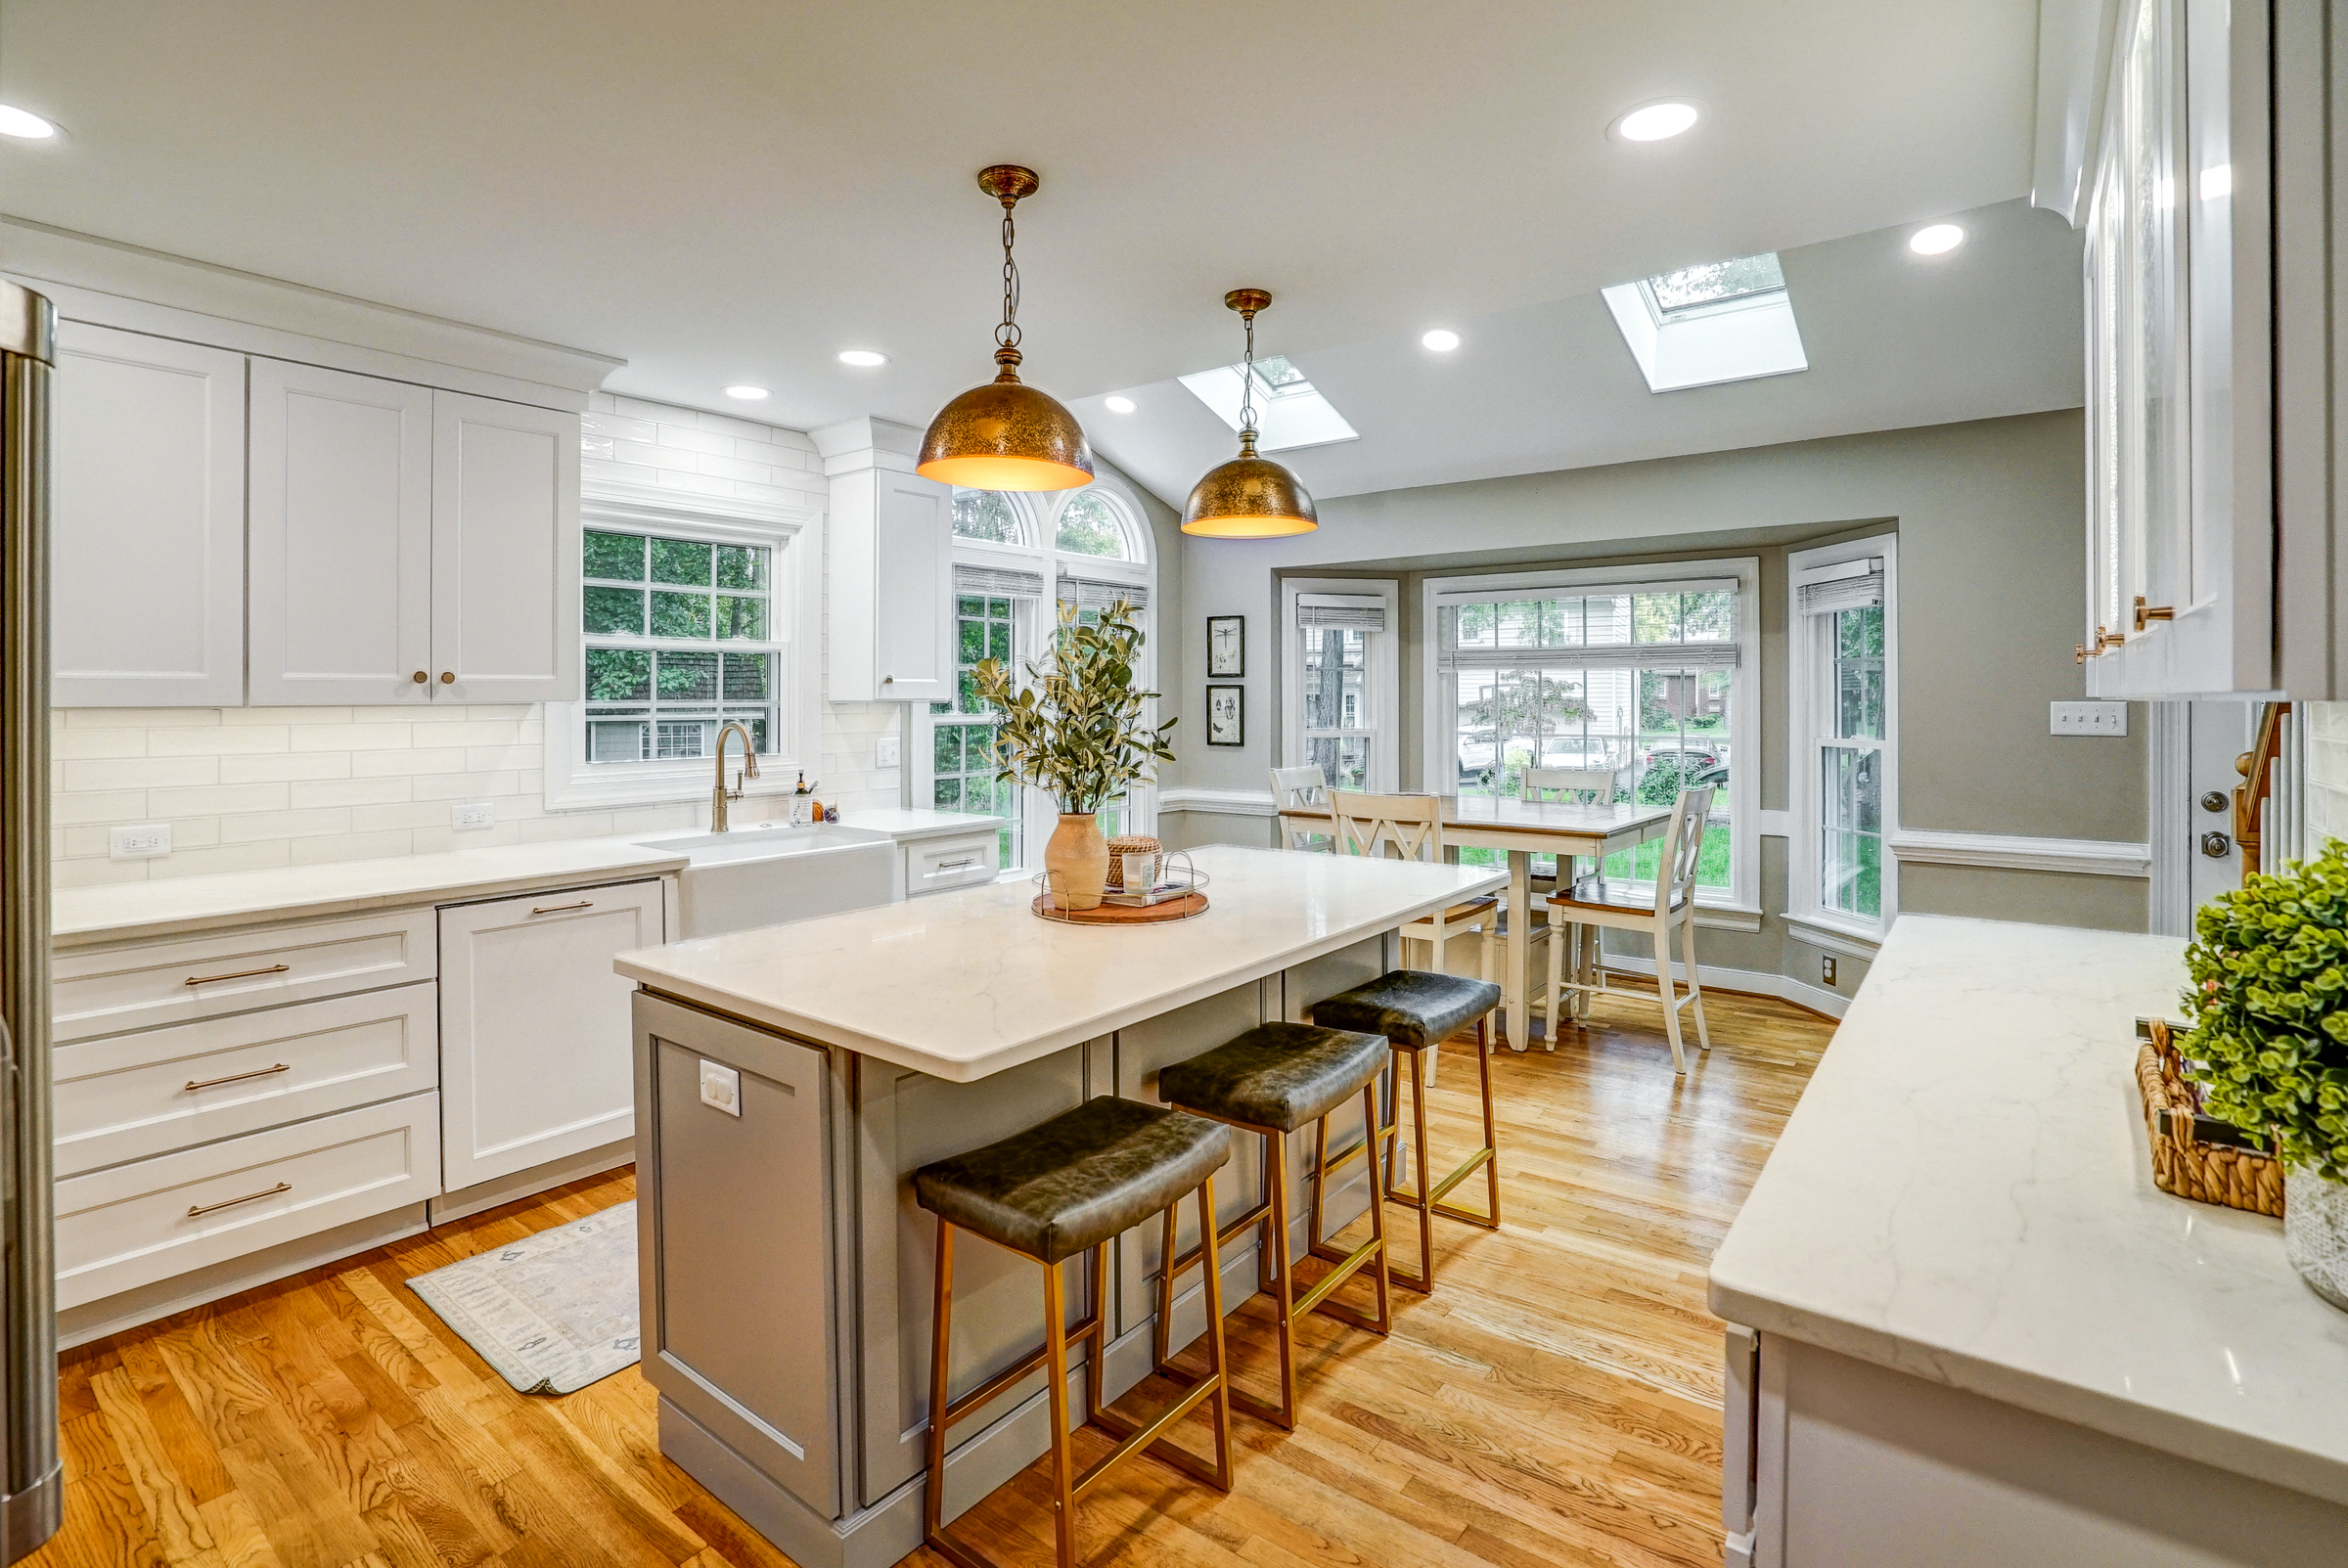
(1415,1009)
(1066,1186)
(1279,1075)
(1073,1182)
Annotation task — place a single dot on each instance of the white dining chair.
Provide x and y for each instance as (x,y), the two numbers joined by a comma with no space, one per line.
(1293,787)
(1673,911)
(1411,827)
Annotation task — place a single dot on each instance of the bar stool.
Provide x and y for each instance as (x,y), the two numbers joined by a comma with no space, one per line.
(1270,1081)
(1067,1186)
(1417,1011)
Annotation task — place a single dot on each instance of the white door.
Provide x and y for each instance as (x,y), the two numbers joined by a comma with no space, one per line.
(2217,732)
(340,476)
(913,536)
(505,552)
(147,573)
(536,1040)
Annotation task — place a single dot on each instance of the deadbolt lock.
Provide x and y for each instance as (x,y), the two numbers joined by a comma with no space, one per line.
(2214,800)
(2217,846)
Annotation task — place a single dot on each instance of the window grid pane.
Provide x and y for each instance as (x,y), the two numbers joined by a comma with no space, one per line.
(669,702)
(962,761)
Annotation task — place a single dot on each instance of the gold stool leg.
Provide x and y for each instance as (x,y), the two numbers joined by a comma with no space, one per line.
(1283,1286)
(1377,1210)
(1219,1364)
(1055,1391)
(934,1489)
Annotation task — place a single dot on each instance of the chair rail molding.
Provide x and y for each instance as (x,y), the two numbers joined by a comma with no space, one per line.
(2081,857)
(1221,802)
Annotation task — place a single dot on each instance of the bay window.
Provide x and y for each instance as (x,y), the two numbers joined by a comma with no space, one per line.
(1843,673)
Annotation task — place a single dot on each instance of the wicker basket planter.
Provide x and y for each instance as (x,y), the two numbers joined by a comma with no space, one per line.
(2196,1156)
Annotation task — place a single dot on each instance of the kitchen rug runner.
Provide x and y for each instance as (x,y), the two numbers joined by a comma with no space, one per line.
(552,1312)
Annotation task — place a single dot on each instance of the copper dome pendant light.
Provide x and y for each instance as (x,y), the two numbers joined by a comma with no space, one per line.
(1249,497)
(1006,436)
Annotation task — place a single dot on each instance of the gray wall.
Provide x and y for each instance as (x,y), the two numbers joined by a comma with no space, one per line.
(1991,560)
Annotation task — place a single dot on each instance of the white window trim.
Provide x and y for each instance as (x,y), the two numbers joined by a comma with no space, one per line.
(1805,669)
(796,537)
(1384,667)
(1039,515)
(1440,755)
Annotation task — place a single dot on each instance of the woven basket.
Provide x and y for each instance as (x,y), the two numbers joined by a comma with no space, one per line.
(1125,844)
(2185,1162)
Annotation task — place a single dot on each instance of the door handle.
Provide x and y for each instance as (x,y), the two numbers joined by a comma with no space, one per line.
(420,676)
(448,677)
(2217,846)
(2214,800)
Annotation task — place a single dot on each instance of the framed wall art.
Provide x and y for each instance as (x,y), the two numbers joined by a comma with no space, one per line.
(1226,647)
(1226,716)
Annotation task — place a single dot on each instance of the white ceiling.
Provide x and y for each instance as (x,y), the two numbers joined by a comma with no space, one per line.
(733,190)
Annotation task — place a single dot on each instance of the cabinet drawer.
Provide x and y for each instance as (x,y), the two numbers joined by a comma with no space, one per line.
(177,981)
(938,865)
(136,1223)
(128,1097)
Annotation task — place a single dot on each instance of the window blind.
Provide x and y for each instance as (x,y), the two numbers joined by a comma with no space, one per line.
(1098,592)
(1366,612)
(1003,581)
(1713,652)
(1846,584)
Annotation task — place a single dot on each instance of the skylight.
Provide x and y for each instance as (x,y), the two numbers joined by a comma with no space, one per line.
(1719,320)
(1290,411)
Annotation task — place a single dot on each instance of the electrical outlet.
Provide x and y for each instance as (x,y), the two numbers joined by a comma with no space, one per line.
(2087,718)
(1826,968)
(721,1088)
(146,841)
(472,814)
(885,752)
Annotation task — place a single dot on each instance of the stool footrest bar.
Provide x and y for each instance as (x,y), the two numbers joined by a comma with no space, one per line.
(1147,1436)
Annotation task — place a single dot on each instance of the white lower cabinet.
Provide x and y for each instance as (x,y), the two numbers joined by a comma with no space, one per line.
(133,1224)
(941,865)
(534,1026)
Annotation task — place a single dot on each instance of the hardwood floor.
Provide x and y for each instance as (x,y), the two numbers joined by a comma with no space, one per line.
(1556,1401)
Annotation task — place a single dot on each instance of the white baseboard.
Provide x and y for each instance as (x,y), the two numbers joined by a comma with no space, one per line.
(1756,981)
(524,1184)
(2084,856)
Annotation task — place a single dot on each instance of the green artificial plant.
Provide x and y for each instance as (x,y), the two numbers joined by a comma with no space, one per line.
(2269,1007)
(1076,730)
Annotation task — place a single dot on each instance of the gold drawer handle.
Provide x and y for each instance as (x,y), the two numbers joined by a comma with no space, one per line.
(561,909)
(241,975)
(194,1084)
(197,1209)
(962,864)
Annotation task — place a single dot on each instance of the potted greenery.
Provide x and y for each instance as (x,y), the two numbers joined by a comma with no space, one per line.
(2269,1007)
(1076,731)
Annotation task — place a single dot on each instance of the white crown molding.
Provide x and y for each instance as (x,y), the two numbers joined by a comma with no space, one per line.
(2081,857)
(112,284)
(867,441)
(1222,802)
(617,501)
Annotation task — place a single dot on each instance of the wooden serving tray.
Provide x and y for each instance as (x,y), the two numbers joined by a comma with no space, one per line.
(1173,909)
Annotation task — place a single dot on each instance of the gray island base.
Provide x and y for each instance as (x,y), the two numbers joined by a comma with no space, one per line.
(788,1082)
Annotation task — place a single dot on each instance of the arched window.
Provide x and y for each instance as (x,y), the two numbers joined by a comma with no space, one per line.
(990,516)
(1091,524)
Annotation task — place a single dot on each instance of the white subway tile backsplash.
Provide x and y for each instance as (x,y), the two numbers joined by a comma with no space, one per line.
(74,745)
(296,765)
(98,873)
(594,469)
(218,800)
(351,846)
(67,808)
(253,826)
(227,858)
(619,426)
(689,438)
(362,736)
(137,773)
(413,762)
(238,739)
(352,792)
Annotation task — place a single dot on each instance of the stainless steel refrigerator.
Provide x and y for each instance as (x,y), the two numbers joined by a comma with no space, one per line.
(31,1484)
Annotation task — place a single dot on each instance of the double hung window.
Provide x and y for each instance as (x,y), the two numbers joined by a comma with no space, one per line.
(680,640)
(1339,679)
(1842,672)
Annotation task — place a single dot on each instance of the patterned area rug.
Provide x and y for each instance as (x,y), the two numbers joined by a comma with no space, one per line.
(552,1312)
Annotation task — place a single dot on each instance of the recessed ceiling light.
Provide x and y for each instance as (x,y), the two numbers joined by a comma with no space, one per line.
(1441,341)
(748,393)
(1118,405)
(25,124)
(862,358)
(1936,239)
(1655,122)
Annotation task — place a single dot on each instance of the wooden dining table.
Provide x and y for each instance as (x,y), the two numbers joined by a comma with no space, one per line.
(1521,828)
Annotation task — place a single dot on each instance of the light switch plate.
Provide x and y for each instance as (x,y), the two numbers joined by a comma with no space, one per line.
(2087,718)
(145,840)
(885,752)
(721,1088)
(472,814)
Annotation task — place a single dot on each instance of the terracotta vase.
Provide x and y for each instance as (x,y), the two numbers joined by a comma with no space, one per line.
(1076,862)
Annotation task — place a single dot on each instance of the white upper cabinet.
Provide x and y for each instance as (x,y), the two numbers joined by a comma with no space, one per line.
(891,583)
(505,551)
(146,575)
(2181,532)
(342,537)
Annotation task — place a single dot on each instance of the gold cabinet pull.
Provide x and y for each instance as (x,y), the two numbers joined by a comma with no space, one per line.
(2079,653)
(2104,639)
(420,676)
(241,975)
(961,865)
(194,1084)
(195,1209)
(448,677)
(559,908)
(2153,612)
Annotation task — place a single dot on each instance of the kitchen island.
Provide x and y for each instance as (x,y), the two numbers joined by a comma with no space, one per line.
(1969,1328)
(788,1082)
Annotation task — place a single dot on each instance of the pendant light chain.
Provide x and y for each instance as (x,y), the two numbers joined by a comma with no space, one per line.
(1006,335)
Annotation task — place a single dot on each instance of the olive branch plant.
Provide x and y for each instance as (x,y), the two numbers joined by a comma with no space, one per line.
(1076,729)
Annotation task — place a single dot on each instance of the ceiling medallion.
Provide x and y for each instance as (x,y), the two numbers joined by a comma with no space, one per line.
(1006,436)
(1249,497)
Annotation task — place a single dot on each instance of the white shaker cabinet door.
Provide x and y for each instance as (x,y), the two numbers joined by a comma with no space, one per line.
(535,1030)
(505,552)
(913,532)
(342,537)
(147,541)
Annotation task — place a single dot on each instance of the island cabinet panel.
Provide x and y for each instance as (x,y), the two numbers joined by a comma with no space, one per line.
(740,1320)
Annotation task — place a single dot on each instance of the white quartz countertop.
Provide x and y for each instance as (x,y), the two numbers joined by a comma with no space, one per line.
(173,905)
(916,822)
(963,985)
(1965,1193)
